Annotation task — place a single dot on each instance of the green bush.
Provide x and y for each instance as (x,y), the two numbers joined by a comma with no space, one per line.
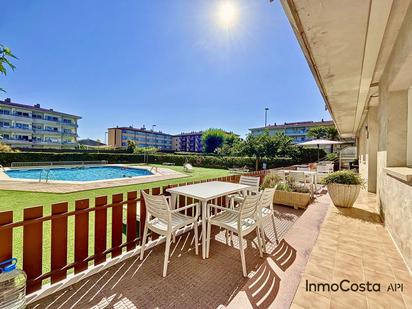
(7,158)
(332,156)
(218,161)
(308,155)
(213,161)
(271,180)
(196,160)
(290,185)
(343,177)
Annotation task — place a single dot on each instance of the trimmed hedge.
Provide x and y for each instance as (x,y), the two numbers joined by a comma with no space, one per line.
(7,158)
(305,156)
(308,155)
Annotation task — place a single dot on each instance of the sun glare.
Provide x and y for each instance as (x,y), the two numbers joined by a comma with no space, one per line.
(227,14)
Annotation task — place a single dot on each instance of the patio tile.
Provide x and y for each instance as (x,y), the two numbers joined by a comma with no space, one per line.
(364,252)
(311,300)
(348,300)
(319,270)
(385,300)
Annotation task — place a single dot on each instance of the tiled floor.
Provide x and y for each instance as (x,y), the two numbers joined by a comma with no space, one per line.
(354,245)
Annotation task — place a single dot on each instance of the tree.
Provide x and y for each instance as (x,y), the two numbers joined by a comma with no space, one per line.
(5,56)
(6,148)
(320,132)
(333,134)
(323,132)
(213,139)
(230,146)
(131,146)
(257,146)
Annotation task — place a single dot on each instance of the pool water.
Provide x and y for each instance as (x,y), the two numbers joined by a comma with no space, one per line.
(79,173)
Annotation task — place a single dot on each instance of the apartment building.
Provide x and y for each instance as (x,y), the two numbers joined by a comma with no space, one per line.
(188,142)
(119,136)
(296,130)
(31,126)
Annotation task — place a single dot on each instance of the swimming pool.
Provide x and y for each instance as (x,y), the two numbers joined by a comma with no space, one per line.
(92,173)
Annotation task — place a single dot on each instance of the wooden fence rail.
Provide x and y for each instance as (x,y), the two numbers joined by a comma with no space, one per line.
(33,227)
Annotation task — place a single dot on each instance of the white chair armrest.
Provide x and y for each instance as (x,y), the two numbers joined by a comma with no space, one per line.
(187,207)
(209,206)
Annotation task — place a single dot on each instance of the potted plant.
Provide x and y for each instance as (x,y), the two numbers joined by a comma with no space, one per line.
(287,193)
(343,187)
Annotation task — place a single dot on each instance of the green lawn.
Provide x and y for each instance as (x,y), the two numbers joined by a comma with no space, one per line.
(18,200)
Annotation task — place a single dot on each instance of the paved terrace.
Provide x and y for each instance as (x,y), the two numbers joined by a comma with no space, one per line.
(349,244)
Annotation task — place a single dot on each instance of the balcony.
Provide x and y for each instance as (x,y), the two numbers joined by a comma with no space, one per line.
(16,129)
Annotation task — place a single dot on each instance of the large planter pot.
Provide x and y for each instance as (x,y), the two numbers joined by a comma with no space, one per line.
(343,195)
(294,199)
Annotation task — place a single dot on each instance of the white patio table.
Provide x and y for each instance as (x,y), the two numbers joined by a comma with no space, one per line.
(205,192)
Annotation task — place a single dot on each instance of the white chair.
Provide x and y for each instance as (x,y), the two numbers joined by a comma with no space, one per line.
(265,210)
(252,182)
(161,219)
(298,176)
(187,167)
(281,174)
(241,221)
(302,178)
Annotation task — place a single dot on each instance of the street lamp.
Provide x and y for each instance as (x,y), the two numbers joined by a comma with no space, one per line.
(266,116)
(153,126)
(105,137)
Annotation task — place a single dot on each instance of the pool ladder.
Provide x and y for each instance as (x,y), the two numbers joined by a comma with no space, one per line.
(47,171)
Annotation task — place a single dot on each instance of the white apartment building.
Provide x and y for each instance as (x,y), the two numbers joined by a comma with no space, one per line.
(31,126)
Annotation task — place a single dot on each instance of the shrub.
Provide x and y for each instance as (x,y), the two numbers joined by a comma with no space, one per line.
(6,148)
(271,180)
(196,160)
(343,177)
(332,156)
(307,155)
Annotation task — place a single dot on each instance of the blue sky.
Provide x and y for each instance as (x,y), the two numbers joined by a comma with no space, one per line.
(168,63)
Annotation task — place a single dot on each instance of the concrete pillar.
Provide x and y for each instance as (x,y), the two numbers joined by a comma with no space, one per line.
(372,147)
(397,123)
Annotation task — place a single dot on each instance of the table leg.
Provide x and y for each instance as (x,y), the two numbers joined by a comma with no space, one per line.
(204,234)
(173,200)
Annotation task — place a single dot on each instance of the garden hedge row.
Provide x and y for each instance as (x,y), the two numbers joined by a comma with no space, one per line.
(308,155)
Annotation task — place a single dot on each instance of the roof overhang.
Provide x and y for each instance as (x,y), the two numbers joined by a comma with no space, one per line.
(347,44)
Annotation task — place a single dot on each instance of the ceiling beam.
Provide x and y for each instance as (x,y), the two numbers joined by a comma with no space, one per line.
(378,19)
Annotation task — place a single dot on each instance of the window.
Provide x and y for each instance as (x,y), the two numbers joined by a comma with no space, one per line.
(4,112)
(22,114)
(4,124)
(52,118)
(53,129)
(22,137)
(23,126)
